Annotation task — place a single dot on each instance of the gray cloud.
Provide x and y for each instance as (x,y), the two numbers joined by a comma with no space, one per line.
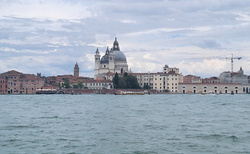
(53,35)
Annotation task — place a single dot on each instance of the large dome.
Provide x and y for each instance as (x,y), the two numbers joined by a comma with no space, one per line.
(119,56)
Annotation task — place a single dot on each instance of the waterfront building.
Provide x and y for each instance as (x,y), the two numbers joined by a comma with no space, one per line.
(14,82)
(210,88)
(113,61)
(236,77)
(98,84)
(166,81)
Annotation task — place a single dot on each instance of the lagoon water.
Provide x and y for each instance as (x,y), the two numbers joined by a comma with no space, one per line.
(107,124)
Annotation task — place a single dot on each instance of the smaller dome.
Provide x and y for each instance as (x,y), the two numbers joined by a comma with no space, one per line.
(105,59)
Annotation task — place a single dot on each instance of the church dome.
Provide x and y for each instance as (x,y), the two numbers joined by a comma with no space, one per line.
(105,59)
(119,56)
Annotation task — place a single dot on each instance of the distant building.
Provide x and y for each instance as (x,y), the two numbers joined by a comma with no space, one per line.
(76,71)
(57,82)
(192,79)
(113,61)
(211,80)
(235,77)
(13,82)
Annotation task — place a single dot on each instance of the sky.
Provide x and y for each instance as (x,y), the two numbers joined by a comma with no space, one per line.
(196,36)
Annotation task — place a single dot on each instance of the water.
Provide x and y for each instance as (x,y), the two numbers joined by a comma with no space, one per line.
(107,124)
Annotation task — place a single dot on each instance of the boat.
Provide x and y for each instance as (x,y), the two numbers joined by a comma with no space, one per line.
(129,93)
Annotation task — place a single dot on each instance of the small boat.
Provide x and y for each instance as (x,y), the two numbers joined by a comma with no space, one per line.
(129,93)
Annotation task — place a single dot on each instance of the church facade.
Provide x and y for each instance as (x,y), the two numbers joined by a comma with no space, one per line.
(113,61)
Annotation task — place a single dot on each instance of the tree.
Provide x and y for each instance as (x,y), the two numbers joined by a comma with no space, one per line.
(66,83)
(80,85)
(121,83)
(125,82)
(116,80)
(132,82)
(146,86)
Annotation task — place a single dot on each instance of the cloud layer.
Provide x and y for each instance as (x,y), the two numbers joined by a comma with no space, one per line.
(196,35)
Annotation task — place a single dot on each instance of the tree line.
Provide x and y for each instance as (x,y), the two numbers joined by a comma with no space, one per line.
(125,82)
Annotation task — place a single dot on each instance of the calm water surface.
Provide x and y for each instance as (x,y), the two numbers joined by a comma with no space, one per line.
(107,124)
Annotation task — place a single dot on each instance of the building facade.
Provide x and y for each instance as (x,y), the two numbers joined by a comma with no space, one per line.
(234,77)
(13,82)
(113,61)
(166,81)
(210,88)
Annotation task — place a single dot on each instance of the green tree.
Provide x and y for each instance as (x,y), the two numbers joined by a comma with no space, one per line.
(80,85)
(132,82)
(146,86)
(66,83)
(121,83)
(116,80)
(125,82)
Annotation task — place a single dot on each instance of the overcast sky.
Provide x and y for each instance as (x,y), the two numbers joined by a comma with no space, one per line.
(50,36)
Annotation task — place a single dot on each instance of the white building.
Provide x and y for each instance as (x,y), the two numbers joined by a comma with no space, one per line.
(208,88)
(113,61)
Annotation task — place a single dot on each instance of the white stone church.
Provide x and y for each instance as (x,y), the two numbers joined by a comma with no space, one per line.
(113,61)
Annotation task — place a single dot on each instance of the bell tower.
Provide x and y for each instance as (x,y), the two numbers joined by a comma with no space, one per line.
(97,61)
(116,45)
(76,71)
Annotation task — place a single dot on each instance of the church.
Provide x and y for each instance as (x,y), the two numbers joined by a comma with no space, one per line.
(113,61)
